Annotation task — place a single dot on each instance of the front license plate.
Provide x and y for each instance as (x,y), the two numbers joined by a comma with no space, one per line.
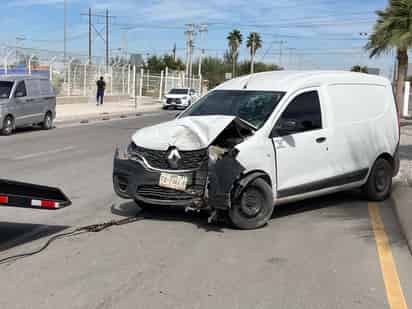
(172,181)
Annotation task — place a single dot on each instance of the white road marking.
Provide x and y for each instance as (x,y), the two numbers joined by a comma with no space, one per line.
(44,153)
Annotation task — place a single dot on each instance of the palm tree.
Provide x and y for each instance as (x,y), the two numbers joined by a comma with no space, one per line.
(358,68)
(393,30)
(254,42)
(234,41)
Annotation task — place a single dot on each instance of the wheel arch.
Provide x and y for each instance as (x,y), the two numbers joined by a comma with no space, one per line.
(247,178)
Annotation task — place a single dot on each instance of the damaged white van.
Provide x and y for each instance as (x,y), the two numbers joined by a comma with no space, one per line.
(265,139)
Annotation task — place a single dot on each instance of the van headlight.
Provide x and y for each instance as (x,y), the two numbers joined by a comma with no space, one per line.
(126,152)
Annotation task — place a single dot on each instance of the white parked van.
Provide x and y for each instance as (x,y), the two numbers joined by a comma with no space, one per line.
(265,139)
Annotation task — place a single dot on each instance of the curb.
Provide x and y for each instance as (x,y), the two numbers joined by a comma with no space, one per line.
(401,199)
(104,117)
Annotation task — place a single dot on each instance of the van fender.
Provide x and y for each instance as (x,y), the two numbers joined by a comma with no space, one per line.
(246,180)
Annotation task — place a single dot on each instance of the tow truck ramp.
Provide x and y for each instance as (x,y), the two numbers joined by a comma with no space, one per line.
(26,195)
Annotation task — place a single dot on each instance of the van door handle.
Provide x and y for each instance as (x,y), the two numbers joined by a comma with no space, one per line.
(321,140)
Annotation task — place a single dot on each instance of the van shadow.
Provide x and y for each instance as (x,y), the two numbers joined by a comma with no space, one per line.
(343,206)
(166,213)
(14,234)
(27,130)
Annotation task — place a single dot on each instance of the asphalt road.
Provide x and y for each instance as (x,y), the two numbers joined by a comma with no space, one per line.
(320,253)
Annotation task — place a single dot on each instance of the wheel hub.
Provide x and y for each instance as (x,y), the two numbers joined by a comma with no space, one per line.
(381,180)
(251,203)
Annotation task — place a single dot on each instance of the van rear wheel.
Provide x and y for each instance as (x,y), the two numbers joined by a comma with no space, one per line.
(7,127)
(254,207)
(47,123)
(379,184)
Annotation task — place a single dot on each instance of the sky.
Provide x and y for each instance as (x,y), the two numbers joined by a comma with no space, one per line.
(297,34)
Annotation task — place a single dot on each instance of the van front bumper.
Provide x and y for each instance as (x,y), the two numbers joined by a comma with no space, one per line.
(134,179)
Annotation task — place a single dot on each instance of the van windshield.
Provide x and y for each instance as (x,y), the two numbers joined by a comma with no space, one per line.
(5,89)
(254,107)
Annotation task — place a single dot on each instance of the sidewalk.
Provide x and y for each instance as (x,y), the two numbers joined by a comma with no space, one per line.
(89,111)
(402,190)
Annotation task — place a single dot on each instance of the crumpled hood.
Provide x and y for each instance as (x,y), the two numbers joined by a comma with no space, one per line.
(187,133)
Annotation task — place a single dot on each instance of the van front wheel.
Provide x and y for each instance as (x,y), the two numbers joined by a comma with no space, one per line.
(379,184)
(254,207)
(7,127)
(47,123)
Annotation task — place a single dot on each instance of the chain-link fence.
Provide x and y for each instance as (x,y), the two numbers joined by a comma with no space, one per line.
(74,76)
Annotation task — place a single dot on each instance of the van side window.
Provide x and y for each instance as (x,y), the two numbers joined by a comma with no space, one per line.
(302,114)
(20,90)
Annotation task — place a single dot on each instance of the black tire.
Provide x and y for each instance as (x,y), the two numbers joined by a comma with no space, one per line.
(47,123)
(379,184)
(8,125)
(254,207)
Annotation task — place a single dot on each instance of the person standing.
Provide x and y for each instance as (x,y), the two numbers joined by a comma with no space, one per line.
(101,86)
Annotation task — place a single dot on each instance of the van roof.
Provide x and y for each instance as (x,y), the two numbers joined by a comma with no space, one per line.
(292,80)
(15,77)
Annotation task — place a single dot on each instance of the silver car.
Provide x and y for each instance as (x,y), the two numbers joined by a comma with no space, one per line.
(26,101)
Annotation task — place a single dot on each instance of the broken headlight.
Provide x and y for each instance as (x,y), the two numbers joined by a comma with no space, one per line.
(126,152)
(216,153)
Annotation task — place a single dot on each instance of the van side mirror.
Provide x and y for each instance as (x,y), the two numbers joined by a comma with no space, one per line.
(285,127)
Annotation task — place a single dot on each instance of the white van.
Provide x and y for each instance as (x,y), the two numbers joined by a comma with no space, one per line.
(265,139)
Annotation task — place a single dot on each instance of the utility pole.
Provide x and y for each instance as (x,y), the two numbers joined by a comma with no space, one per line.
(281,42)
(18,39)
(90,36)
(189,47)
(65,31)
(107,40)
(202,29)
(174,52)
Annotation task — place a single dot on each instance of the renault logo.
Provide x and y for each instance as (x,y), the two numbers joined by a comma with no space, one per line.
(173,158)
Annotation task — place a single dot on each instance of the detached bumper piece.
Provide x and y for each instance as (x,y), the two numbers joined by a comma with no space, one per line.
(19,194)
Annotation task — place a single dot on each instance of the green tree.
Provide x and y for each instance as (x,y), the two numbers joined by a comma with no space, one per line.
(235,39)
(393,30)
(358,68)
(254,42)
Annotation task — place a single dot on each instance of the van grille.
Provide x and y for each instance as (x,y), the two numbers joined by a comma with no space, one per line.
(190,160)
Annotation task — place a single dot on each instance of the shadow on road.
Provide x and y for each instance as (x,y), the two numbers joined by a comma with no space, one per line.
(348,208)
(161,213)
(14,234)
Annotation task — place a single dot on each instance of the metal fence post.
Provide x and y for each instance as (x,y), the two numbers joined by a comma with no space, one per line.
(141,83)
(166,80)
(30,60)
(123,81)
(6,61)
(85,80)
(134,79)
(405,112)
(161,85)
(128,79)
(69,78)
(111,80)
